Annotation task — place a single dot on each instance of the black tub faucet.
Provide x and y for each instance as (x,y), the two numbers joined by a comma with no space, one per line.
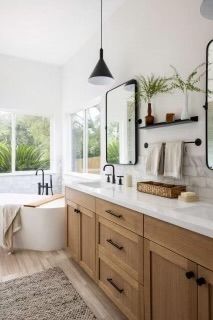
(113,171)
(41,186)
(44,186)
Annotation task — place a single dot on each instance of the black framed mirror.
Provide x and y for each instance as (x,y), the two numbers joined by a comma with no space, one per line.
(121,124)
(209,105)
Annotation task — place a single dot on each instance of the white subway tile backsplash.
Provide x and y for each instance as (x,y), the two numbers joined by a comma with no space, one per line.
(196,176)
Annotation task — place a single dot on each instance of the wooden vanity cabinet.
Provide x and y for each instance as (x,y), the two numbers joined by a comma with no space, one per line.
(178,281)
(73,232)
(205,294)
(152,270)
(120,256)
(81,238)
(170,288)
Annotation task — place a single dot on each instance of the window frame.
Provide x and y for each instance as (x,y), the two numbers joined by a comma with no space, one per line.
(68,165)
(14,113)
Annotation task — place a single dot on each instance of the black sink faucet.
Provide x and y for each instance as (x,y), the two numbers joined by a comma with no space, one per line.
(113,171)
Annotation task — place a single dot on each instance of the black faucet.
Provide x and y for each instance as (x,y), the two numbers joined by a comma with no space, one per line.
(44,186)
(113,171)
(41,186)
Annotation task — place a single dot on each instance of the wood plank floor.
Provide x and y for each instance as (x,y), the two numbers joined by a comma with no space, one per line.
(24,263)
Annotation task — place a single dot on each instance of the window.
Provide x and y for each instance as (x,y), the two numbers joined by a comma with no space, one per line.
(85,141)
(24,142)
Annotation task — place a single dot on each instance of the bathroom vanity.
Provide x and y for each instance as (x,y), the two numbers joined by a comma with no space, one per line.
(153,257)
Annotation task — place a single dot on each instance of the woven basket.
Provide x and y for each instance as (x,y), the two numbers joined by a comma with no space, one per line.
(160,189)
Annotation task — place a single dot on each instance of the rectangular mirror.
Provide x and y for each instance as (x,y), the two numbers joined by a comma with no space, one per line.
(209,105)
(121,121)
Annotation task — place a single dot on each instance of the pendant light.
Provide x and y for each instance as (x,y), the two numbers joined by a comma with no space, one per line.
(101,74)
(206,9)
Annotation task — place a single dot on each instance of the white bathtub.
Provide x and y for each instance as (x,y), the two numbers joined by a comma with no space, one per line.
(43,228)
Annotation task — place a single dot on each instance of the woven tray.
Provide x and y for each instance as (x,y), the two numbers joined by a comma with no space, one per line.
(160,189)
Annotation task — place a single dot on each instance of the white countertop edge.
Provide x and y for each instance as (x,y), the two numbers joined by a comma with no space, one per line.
(205,229)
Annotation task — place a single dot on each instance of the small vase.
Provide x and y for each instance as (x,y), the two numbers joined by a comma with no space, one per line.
(149,119)
(185,111)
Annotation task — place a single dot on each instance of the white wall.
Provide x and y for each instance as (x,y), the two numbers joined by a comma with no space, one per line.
(31,87)
(144,37)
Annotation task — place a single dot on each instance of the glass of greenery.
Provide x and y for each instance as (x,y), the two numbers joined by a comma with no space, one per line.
(187,85)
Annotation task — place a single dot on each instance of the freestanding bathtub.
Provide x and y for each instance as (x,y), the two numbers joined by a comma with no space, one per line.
(43,226)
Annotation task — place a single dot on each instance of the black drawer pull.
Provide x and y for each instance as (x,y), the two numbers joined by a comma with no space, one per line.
(190,275)
(114,244)
(201,281)
(114,285)
(114,214)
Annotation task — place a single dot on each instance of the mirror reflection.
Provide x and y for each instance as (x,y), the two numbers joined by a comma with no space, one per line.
(210,105)
(121,124)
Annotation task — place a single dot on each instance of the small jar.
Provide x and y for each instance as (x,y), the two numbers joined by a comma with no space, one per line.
(170,117)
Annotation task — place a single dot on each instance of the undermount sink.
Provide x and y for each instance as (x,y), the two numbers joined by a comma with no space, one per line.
(200,211)
(92,184)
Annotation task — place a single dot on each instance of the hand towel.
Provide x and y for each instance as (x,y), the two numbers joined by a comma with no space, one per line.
(173,161)
(11,224)
(154,159)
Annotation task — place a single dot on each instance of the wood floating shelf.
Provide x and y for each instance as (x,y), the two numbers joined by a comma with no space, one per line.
(168,124)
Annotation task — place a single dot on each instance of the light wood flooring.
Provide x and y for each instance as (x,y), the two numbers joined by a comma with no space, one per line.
(24,263)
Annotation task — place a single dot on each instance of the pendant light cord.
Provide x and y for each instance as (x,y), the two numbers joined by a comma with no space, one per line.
(101,23)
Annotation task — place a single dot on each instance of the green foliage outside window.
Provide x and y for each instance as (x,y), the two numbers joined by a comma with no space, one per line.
(32,149)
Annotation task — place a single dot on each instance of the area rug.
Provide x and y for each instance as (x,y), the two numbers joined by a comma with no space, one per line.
(47,295)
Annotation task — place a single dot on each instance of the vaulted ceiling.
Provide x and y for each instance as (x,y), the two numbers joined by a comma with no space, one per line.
(49,30)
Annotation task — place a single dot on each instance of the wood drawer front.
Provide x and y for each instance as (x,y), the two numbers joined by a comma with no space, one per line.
(191,245)
(120,215)
(121,289)
(83,199)
(122,246)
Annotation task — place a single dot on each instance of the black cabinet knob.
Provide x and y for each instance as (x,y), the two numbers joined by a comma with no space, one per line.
(77,211)
(201,281)
(190,275)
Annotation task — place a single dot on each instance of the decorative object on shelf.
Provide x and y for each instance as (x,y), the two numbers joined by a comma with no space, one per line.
(206,9)
(187,85)
(101,74)
(150,87)
(170,117)
(168,124)
(149,119)
(197,142)
(161,189)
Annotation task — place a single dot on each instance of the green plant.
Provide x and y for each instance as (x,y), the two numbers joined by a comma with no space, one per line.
(5,158)
(151,86)
(30,158)
(113,151)
(191,82)
(27,158)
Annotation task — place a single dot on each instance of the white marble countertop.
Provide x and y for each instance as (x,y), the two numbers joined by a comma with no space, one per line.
(197,216)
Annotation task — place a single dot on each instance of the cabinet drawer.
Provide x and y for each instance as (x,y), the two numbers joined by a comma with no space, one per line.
(122,246)
(83,199)
(196,247)
(121,289)
(120,215)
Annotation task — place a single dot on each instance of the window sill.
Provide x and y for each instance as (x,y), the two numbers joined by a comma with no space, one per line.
(24,173)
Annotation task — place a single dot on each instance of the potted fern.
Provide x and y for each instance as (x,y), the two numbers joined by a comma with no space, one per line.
(150,87)
(187,85)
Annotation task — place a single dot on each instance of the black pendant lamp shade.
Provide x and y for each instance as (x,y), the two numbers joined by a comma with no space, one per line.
(101,74)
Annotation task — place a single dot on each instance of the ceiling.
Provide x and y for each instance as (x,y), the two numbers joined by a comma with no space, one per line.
(50,31)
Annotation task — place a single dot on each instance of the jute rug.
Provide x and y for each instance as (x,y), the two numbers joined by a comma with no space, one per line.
(47,295)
